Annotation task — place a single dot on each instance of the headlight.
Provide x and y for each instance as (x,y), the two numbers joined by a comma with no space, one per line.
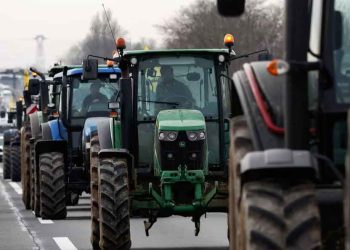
(195,135)
(167,135)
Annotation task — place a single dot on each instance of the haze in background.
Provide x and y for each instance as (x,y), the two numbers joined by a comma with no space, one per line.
(66,22)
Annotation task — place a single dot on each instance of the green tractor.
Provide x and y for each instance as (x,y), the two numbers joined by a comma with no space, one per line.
(165,151)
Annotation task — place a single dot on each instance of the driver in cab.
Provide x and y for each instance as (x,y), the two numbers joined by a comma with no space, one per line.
(171,90)
(95,97)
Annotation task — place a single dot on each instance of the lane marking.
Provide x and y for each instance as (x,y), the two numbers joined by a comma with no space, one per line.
(16,187)
(45,221)
(64,243)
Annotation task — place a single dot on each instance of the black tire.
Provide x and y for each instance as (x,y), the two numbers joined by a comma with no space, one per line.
(25,165)
(7,162)
(269,214)
(53,186)
(114,214)
(95,228)
(35,184)
(15,163)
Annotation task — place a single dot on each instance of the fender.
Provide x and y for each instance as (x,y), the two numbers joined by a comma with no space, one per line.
(101,125)
(262,136)
(35,120)
(58,130)
(279,163)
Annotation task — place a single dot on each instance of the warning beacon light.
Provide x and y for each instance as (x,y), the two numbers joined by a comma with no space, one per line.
(229,40)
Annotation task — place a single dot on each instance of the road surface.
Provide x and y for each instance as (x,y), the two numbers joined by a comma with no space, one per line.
(20,229)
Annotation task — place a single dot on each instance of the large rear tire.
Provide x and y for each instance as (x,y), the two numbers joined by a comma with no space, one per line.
(114,205)
(95,228)
(25,165)
(15,163)
(53,186)
(269,214)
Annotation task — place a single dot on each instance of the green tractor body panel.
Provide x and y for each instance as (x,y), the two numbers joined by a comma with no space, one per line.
(115,128)
(180,120)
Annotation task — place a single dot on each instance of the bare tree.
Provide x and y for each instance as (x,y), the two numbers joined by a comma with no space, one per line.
(99,40)
(200,26)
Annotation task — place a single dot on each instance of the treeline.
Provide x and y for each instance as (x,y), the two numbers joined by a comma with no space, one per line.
(196,26)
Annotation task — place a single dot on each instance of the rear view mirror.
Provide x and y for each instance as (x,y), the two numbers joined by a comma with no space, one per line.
(90,69)
(230,7)
(2,114)
(34,86)
(193,76)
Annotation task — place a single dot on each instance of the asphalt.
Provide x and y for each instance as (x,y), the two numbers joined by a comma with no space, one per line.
(21,230)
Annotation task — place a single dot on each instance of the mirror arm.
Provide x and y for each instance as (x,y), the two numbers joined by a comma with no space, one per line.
(249,54)
(101,57)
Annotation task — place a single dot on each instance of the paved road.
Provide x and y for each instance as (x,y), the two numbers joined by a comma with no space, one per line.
(20,229)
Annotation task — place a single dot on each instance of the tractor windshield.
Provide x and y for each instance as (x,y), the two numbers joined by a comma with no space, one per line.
(342,54)
(92,95)
(177,82)
(181,82)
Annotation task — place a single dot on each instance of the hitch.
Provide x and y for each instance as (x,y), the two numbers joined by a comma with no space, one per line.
(148,224)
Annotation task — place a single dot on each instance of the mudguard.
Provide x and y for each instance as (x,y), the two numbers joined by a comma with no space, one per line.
(101,125)
(58,130)
(265,115)
(35,120)
(279,163)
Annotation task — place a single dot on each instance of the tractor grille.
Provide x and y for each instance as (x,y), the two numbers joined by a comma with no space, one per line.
(182,151)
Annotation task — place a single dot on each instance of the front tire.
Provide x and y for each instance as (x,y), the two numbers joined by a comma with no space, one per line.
(114,214)
(53,186)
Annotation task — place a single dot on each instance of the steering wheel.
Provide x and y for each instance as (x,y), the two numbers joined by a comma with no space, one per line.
(182,100)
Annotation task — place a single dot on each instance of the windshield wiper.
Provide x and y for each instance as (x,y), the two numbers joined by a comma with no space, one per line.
(160,102)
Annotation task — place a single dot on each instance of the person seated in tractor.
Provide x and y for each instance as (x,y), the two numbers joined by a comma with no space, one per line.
(94,98)
(171,90)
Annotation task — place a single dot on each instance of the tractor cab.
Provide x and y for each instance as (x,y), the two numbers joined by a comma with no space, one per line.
(81,102)
(181,108)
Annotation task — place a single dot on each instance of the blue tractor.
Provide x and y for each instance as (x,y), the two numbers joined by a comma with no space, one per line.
(62,155)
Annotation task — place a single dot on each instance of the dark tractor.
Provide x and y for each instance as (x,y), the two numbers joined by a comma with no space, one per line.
(166,149)
(12,166)
(287,154)
(40,101)
(62,153)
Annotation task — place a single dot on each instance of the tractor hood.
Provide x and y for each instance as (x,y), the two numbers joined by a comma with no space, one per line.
(180,120)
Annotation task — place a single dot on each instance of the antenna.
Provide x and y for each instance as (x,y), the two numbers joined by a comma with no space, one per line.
(109,24)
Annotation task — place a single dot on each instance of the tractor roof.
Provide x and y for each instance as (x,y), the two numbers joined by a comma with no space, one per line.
(79,71)
(57,69)
(175,51)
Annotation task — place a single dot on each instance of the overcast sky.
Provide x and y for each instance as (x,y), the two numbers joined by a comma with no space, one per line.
(66,22)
